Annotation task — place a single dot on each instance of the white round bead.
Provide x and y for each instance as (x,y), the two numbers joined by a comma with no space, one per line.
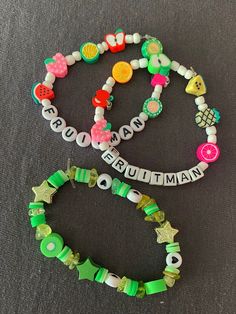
(203,165)
(202,107)
(143,63)
(126,132)
(188,75)
(174,65)
(105,45)
(58,124)
(137,38)
(98,117)
(134,64)
(156,95)
(129,39)
(46,102)
(107,88)
(199,100)
(137,124)
(95,145)
(211,130)
(70,60)
(76,55)
(48,84)
(69,134)
(143,116)
(83,139)
(49,112)
(100,48)
(112,280)
(99,110)
(158,89)
(104,181)
(103,146)
(110,81)
(134,196)
(50,77)
(174,259)
(115,139)
(212,139)
(182,70)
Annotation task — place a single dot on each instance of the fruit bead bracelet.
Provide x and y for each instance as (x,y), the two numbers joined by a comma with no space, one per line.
(57,67)
(52,244)
(205,118)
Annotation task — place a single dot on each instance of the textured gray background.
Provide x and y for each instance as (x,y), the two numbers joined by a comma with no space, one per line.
(197,33)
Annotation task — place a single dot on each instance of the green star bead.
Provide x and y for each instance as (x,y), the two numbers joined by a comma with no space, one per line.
(166,233)
(43,192)
(87,269)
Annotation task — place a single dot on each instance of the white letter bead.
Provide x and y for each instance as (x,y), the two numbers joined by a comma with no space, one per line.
(126,132)
(203,165)
(183,177)
(49,112)
(174,259)
(107,88)
(120,164)
(115,139)
(143,63)
(196,173)
(212,139)
(199,100)
(129,39)
(100,48)
(112,280)
(105,45)
(48,84)
(137,124)
(58,124)
(70,60)
(103,146)
(211,130)
(143,116)
(188,75)
(134,196)
(157,178)
(46,102)
(131,172)
(158,89)
(202,107)
(69,134)
(144,175)
(110,155)
(134,64)
(104,181)
(170,179)
(174,65)
(110,81)
(83,139)
(76,55)
(50,77)
(182,70)
(99,110)
(137,38)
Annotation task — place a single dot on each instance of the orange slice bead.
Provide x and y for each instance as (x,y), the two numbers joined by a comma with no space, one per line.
(122,72)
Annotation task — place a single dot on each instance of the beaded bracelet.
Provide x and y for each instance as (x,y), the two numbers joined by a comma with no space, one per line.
(52,244)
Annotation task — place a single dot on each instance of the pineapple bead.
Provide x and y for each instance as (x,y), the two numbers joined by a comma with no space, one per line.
(42,231)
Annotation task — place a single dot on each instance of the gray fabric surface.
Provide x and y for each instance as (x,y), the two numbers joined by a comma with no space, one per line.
(109,229)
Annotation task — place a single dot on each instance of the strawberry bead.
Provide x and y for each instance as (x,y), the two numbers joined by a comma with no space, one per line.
(57,65)
(100,131)
(159,79)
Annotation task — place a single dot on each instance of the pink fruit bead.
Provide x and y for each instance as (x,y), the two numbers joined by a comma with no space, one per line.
(159,79)
(208,152)
(99,132)
(58,67)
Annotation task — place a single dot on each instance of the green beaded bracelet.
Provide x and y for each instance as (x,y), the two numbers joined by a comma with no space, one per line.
(52,244)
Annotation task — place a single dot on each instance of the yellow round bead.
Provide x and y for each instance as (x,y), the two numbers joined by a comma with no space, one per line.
(122,72)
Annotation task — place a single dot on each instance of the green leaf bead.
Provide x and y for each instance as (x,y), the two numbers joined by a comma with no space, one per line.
(42,231)
(93,178)
(49,60)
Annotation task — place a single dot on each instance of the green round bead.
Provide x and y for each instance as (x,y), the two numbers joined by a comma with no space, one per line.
(155,286)
(64,254)
(101,275)
(89,52)
(52,245)
(150,47)
(82,175)
(152,107)
(37,220)
(58,178)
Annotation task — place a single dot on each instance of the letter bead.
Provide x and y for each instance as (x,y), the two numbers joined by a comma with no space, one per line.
(144,175)
(131,172)
(126,132)
(170,179)
(183,177)
(58,124)
(110,155)
(69,134)
(49,112)
(157,178)
(120,164)
(115,139)
(196,173)
(137,124)
(83,139)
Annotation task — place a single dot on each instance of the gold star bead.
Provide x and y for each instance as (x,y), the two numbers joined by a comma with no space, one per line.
(43,192)
(166,233)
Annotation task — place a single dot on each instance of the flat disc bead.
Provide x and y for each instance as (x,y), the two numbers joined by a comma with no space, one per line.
(52,245)
(83,139)
(122,72)
(174,259)
(49,112)
(104,181)
(57,124)
(69,134)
